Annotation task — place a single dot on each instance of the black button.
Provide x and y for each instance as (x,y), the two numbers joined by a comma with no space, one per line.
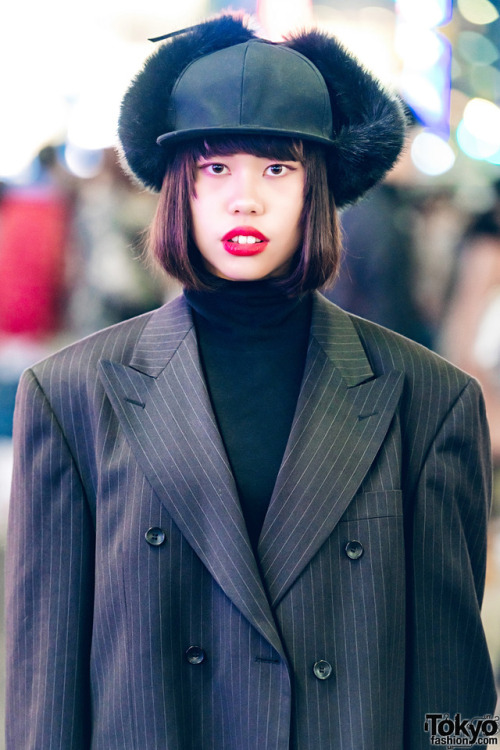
(354,550)
(155,536)
(322,669)
(195,655)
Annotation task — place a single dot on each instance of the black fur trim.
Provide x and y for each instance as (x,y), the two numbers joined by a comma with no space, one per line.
(145,106)
(368,122)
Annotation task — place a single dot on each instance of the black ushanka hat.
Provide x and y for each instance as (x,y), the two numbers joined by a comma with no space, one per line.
(219,78)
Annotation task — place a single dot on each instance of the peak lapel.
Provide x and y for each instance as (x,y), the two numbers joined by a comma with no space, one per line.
(163,405)
(343,414)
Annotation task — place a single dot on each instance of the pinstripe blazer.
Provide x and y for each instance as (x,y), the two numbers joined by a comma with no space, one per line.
(115,435)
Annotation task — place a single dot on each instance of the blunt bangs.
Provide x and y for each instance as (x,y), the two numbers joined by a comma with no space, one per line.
(285,149)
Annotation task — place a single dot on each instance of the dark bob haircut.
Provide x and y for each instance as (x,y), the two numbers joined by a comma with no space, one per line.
(171,245)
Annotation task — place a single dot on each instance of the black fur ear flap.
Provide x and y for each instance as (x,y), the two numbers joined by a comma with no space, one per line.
(144,111)
(368,122)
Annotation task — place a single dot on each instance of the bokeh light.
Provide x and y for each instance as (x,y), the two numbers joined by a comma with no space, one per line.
(368,33)
(81,162)
(473,146)
(428,91)
(431,154)
(479,12)
(476,49)
(428,13)
(482,119)
(420,48)
(485,81)
(277,17)
(425,80)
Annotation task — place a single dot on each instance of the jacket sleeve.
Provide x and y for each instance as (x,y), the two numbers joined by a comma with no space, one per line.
(49,585)
(449,670)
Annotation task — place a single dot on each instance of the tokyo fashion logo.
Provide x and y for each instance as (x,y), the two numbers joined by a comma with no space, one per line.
(453,731)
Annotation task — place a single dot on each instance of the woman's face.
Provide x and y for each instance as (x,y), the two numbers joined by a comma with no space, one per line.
(246,215)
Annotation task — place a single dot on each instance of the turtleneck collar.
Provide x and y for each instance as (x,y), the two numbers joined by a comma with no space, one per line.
(248,306)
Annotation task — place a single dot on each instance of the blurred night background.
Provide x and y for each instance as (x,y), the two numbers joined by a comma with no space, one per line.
(422,250)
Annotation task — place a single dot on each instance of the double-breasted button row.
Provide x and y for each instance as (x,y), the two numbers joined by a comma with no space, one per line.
(195,655)
(354,549)
(155,536)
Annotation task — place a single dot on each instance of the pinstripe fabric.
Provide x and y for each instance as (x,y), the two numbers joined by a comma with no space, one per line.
(115,435)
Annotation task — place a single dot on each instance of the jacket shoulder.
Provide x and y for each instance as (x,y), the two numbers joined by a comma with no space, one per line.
(432,388)
(386,350)
(117,342)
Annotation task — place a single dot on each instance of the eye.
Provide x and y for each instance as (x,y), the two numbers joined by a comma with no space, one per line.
(214,168)
(277,170)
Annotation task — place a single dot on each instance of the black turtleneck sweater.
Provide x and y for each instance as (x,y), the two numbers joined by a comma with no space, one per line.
(253,342)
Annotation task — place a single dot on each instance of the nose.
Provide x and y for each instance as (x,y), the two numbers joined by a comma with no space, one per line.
(245,198)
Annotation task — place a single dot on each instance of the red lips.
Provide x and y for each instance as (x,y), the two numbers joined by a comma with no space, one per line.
(254,247)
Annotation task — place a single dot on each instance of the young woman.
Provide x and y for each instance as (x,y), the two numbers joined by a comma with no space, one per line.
(248,520)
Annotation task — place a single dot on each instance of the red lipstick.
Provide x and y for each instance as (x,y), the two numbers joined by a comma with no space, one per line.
(233,244)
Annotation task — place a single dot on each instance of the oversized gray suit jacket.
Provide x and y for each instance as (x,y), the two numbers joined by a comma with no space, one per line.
(115,435)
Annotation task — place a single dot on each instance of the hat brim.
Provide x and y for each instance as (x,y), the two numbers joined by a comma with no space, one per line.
(179,136)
